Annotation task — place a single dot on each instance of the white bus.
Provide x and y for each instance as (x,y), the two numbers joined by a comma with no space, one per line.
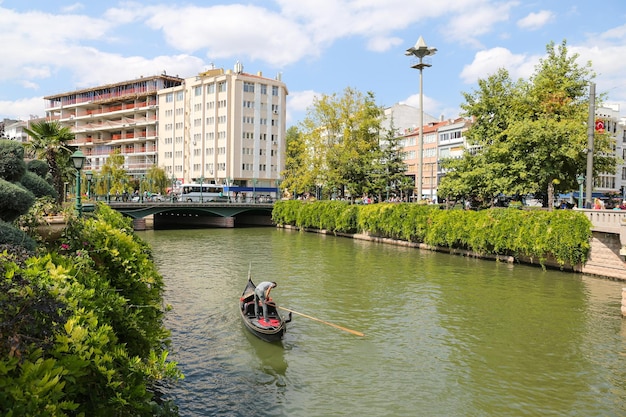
(194,193)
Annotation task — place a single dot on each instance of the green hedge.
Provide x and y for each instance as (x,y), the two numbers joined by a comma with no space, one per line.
(82,326)
(563,234)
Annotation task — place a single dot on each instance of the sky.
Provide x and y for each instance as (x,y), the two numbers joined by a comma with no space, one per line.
(318,46)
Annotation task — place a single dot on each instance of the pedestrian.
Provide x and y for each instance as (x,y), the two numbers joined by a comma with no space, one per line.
(262,295)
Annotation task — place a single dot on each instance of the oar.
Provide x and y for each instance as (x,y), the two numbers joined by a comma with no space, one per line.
(325,322)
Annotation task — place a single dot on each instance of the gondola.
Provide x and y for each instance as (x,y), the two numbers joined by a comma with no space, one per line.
(270,332)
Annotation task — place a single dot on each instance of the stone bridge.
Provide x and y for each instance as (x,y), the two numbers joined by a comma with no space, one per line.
(608,244)
(184,215)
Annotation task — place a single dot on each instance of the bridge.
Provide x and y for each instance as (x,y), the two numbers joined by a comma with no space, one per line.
(167,215)
(608,243)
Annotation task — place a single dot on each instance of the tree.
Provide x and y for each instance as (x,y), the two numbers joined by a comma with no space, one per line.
(113,178)
(528,136)
(157,177)
(340,135)
(50,141)
(389,173)
(295,173)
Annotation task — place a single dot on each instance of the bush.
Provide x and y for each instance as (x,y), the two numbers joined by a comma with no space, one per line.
(82,330)
(39,167)
(12,165)
(37,185)
(11,235)
(563,234)
(14,200)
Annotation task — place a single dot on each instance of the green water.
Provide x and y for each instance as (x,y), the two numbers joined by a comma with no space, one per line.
(444,335)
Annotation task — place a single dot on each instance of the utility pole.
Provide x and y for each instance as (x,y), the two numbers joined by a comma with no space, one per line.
(591,125)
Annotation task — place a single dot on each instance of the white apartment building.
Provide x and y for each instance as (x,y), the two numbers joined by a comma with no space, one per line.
(120,116)
(224,127)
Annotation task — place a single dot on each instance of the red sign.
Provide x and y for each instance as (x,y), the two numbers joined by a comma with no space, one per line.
(599,125)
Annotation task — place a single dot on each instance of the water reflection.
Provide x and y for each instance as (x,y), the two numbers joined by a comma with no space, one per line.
(271,358)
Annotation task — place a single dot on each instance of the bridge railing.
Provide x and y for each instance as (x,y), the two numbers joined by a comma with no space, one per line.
(608,221)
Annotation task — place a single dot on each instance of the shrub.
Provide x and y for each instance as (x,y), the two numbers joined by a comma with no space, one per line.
(39,167)
(563,234)
(67,321)
(37,185)
(11,235)
(12,165)
(14,200)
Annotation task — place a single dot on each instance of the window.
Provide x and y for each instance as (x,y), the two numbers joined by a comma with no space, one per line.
(274,90)
(169,97)
(221,87)
(197,91)
(263,88)
(180,96)
(248,87)
(210,88)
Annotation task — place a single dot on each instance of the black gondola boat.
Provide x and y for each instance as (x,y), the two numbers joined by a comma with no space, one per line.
(271,331)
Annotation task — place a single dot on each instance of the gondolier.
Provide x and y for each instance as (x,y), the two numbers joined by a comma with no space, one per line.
(262,294)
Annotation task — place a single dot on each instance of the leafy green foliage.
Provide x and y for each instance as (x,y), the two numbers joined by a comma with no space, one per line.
(14,200)
(335,146)
(563,234)
(81,327)
(528,135)
(50,141)
(37,185)
(39,167)
(12,165)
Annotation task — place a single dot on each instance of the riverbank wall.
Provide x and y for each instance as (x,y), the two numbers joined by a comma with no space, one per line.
(604,260)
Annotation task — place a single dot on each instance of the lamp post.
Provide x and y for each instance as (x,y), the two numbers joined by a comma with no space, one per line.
(78,159)
(172,190)
(420,50)
(581,180)
(89,176)
(201,182)
(254,190)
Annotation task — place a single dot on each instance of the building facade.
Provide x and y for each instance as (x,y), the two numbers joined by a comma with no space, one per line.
(609,121)
(224,127)
(116,117)
(430,157)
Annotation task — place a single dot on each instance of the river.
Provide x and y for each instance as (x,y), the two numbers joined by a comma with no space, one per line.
(444,335)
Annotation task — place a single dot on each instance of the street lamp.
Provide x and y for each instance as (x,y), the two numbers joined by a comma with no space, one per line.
(581,180)
(172,190)
(420,50)
(89,176)
(78,159)
(254,190)
(201,182)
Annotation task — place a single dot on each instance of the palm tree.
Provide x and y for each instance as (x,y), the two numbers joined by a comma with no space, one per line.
(49,141)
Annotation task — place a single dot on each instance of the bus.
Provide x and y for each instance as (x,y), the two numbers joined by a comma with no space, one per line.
(197,193)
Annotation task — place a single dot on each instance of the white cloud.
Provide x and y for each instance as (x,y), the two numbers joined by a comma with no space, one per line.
(23,109)
(234,31)
(476,20)
(431,106)
(298,102)
(536,21)
(489,61)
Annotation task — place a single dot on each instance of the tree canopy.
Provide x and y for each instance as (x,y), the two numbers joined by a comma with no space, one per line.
(528,136)
(338,147)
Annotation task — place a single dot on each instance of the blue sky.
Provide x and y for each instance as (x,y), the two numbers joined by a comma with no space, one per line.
(319,46)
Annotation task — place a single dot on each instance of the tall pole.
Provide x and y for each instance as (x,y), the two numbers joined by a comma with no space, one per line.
(420,50)
(79,206)
(591,125)
(420,144)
